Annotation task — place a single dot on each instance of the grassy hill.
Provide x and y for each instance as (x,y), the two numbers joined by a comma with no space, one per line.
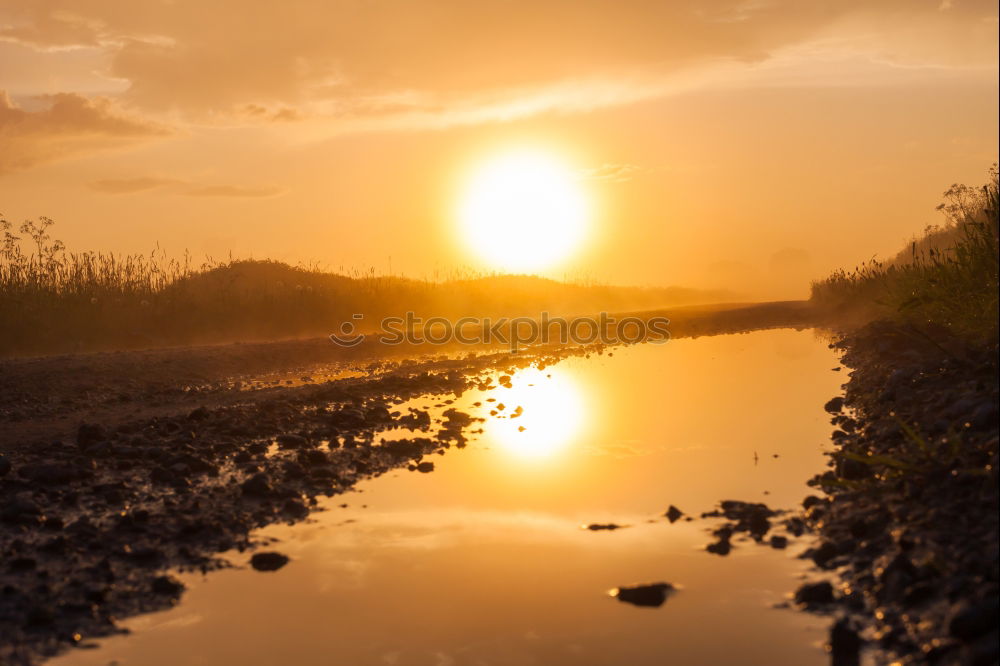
(54,301)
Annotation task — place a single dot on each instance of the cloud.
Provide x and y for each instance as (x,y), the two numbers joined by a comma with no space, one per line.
(238,191)
(129,185)
(181,187)
(614,173)
(429,56)
(282,114)
(70,125)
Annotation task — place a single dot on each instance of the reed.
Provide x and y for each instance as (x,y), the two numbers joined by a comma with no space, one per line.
(946,279)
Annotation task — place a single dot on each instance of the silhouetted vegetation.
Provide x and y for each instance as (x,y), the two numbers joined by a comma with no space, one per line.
(53,300)
(947,278)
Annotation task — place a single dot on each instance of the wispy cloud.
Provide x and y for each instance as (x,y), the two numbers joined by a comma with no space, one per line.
(237,191)
(129,185)
(68,125)
(614,173)
(181,187)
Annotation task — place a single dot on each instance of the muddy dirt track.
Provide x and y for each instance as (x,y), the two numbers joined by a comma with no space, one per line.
(118,467)
(47,397)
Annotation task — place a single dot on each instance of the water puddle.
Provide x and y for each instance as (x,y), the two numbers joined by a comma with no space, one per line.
(486,559)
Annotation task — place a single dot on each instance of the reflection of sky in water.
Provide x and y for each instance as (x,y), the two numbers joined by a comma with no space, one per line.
(484,561)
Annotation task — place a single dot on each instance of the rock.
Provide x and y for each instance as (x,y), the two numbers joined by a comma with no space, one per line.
(295,508)
(425,467)
(377,413)
(290,441)
(597,527)
(20,510)
(346,418)
(22,564)
(859,528)
(257,485)
(456,418)
(313,457)
(834,405)
(269,561)
(39,616)
(53,474)
(795,526)
(162,475)
(918,593)
(167,586)
(969,621)
(811,500)
(815,593)
(854,470)
(984,417)
(720,547)
(779,542)
(750,517)
(652,595)
(199,414)
(145,556)
(403,449)
(673,514)
(823,554)
(758,524)
(53,523)
(895,574)
(845,644)
(985,651)
(89,434)
(326,474)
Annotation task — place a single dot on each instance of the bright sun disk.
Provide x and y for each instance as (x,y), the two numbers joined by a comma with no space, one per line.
(523,211)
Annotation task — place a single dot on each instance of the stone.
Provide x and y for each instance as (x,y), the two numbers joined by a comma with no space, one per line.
(815,593)
(268,561)
(257,485)
(650,595)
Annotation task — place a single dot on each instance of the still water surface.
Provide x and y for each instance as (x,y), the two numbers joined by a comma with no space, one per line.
(484,561)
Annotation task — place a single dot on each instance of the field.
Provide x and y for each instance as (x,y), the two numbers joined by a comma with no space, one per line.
(56,301)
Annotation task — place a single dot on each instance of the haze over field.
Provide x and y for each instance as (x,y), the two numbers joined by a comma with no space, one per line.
(718,145)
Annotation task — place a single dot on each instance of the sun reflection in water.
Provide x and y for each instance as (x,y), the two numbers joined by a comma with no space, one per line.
(543,410)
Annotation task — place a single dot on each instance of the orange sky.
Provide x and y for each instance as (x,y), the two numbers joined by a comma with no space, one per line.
(749,144)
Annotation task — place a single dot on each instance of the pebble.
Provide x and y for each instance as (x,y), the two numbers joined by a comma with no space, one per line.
(268,561)
(673,514)
(651,595)
(815,593)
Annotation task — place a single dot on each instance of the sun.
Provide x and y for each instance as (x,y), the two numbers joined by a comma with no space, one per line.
(543,412)
(523,211)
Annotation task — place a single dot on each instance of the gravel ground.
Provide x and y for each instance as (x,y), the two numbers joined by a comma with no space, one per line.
(908,519)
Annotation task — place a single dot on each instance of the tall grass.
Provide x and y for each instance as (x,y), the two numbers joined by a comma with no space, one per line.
(53,300)
(945,279)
